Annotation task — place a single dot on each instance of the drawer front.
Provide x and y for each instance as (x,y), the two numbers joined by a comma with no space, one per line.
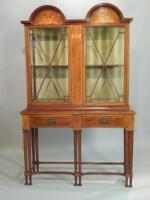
(102,121)
(51,121)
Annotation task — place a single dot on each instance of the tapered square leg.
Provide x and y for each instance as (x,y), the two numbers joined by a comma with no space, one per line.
(33,149)
(77,157)
(128,157)
(27,157)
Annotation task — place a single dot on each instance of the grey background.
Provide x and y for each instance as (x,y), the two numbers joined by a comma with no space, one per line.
(100,144)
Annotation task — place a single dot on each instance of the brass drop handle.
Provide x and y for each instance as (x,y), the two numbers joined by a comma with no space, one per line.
(103,121)
(51,122)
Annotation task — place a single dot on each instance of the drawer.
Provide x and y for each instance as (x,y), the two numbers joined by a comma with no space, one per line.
(51,121)
(102,121)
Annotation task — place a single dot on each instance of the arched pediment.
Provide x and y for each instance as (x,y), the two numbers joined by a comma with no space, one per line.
(47,15)
(105,13)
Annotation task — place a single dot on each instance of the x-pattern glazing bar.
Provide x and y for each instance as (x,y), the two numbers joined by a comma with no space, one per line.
(49,69)
(104,63)
(109,85)
(53,71)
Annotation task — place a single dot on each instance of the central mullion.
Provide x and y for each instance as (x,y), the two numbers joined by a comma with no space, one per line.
(76,63)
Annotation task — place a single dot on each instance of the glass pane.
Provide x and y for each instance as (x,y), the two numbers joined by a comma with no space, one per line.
(104,47)
(49,64)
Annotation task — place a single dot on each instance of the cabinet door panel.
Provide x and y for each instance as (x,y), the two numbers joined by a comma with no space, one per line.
(104,47)
(49,64)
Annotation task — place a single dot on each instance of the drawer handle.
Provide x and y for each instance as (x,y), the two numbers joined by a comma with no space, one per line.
(51,122)
(103,121)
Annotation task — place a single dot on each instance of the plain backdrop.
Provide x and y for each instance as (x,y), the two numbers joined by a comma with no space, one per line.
(98,144)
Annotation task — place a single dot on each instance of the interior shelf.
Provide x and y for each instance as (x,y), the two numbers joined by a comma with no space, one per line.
(107,65)
(47,66)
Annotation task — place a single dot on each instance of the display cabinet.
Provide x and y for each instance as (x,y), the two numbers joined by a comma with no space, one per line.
(77,74)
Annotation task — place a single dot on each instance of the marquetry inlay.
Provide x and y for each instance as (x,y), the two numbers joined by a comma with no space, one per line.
(76,31)
(48,17)
(104,16)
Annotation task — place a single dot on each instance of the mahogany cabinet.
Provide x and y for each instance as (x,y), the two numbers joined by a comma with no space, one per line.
(77,74)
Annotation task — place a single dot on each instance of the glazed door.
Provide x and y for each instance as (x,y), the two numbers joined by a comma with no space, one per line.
(49,65)
(104,65)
